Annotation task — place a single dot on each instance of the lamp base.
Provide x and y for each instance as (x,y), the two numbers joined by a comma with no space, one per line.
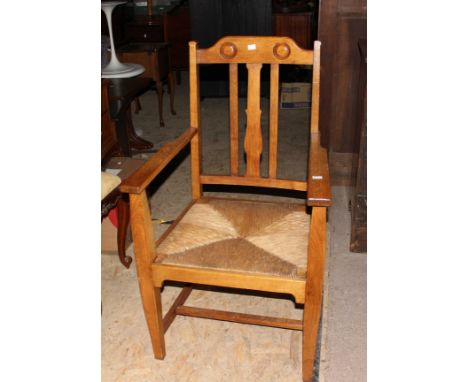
(120,70)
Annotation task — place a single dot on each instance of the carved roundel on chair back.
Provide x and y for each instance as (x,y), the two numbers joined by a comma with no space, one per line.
(281,51)
(228,50)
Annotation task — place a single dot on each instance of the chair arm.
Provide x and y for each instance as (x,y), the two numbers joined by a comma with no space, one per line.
(141,178)
(318,180)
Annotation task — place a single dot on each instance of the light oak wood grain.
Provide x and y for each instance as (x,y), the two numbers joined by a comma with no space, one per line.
(318,192)
(253,134)
(266,283)
(171,313)
(241,318)
(234,117)
(254,182)
(274,93)
(314,286)
(141,178)
(318,188)
(195,121)
(144,248)
(254,50)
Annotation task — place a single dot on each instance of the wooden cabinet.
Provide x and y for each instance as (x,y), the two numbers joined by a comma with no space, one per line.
(342,23)
(177,32)
(145,29)
(172,26)
(295,25)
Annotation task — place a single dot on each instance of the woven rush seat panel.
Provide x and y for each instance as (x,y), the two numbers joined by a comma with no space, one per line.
(238,235)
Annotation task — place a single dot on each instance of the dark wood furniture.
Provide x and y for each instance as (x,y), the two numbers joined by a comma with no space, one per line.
(145,29)
(171,25)
(122,92)
(359,203)
(109,147)
(119,200)
(297,25)
(109,143)
(177,32)
(342,23)
(155,58)
(253,245)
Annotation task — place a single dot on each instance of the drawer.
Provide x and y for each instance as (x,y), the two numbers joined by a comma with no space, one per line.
(145,33)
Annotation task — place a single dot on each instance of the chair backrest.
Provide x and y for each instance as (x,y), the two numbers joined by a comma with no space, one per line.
(254,51)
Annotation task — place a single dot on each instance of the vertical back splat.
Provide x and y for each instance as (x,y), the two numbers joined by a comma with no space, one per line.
(253,135)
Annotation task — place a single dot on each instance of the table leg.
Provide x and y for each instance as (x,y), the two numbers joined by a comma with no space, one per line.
(123,219)
(122,136)
(134,140)
(171,86)
(159,89)
(137,105)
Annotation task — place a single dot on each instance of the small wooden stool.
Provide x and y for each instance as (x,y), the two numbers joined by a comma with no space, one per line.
(155,58)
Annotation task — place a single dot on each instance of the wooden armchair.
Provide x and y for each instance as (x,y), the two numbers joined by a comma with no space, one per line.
(261,246)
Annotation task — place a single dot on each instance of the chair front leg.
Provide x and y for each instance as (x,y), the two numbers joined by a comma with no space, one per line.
(143,238)
(314,288)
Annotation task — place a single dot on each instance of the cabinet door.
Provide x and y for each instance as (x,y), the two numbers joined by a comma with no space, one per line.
(177,33)
(298,26)
(342,23)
